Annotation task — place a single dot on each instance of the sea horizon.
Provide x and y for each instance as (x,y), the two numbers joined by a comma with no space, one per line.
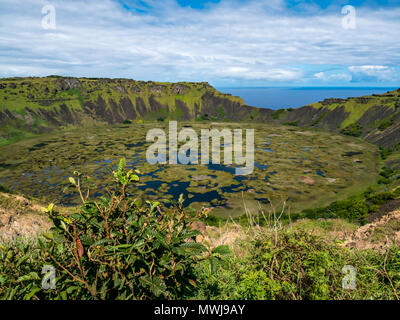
(295,97)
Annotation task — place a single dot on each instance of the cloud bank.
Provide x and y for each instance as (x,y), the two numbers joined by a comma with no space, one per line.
(225,43)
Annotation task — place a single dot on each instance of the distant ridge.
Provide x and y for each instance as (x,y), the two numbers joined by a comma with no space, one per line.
(32,105)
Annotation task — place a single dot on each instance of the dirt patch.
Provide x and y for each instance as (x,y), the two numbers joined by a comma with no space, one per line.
(377,235)
(200,177)
(20,218)
(307,180)
(215,236)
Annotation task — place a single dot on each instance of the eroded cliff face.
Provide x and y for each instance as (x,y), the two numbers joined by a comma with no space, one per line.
(374,118)
(37,105)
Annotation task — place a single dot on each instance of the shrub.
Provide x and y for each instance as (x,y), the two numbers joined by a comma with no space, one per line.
(221,112)
(112,248)
(303,266)
(20,265)
(385,153)
(278,114)
(384,125)
(387,175)
(293,123)
(203,117)
(380,198)
(354,209)
(354,130)
(4,189)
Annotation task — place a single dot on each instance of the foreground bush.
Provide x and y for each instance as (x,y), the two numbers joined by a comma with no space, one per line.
(302,266)
(112,248)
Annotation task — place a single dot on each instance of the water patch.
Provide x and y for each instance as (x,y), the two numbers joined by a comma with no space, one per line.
(352,153)
(134,145)
(38,146)
(260,166)
(220,167)
(262,200)
(267,150)
(320,173)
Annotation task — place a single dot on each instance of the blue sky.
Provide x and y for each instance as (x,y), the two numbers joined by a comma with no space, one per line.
(224,42)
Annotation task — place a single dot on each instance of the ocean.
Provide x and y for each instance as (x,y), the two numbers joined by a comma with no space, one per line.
(279,97)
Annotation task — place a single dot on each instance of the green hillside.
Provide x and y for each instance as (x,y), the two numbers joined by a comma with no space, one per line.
(30,106)
(375,118)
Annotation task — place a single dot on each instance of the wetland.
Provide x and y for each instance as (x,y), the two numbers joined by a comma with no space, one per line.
(306,167)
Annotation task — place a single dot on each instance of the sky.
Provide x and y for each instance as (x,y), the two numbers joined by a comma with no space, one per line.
(228,43)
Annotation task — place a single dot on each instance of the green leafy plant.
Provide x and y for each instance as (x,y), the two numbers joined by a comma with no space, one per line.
(119,248)
(113,247)
(302,266)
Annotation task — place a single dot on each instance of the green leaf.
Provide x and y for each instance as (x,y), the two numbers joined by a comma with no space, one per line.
(154,205)
(48,235)
(59,238)
(63,225)
(213,264)
(121,165)
(157,235)
(32,293)
(134,177)
(64,295)
(139,243)
(29,276)
(156,285)
(194,246)
(72,181)
(121,246)
(86,240)
(21,260)
(100,242)
(222,250)
(50,208)
(190,233)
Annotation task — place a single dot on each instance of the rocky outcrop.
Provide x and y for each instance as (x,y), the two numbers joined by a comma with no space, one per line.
(69,83)
(180,89)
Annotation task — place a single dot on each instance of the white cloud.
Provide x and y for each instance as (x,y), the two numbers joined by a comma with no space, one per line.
(333,77)
(367,69)
(373,73)
(256,41)
(268,74)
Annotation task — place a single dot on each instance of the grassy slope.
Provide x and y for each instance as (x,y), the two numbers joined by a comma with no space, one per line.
(18,98)
(49,93)
(357,109)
